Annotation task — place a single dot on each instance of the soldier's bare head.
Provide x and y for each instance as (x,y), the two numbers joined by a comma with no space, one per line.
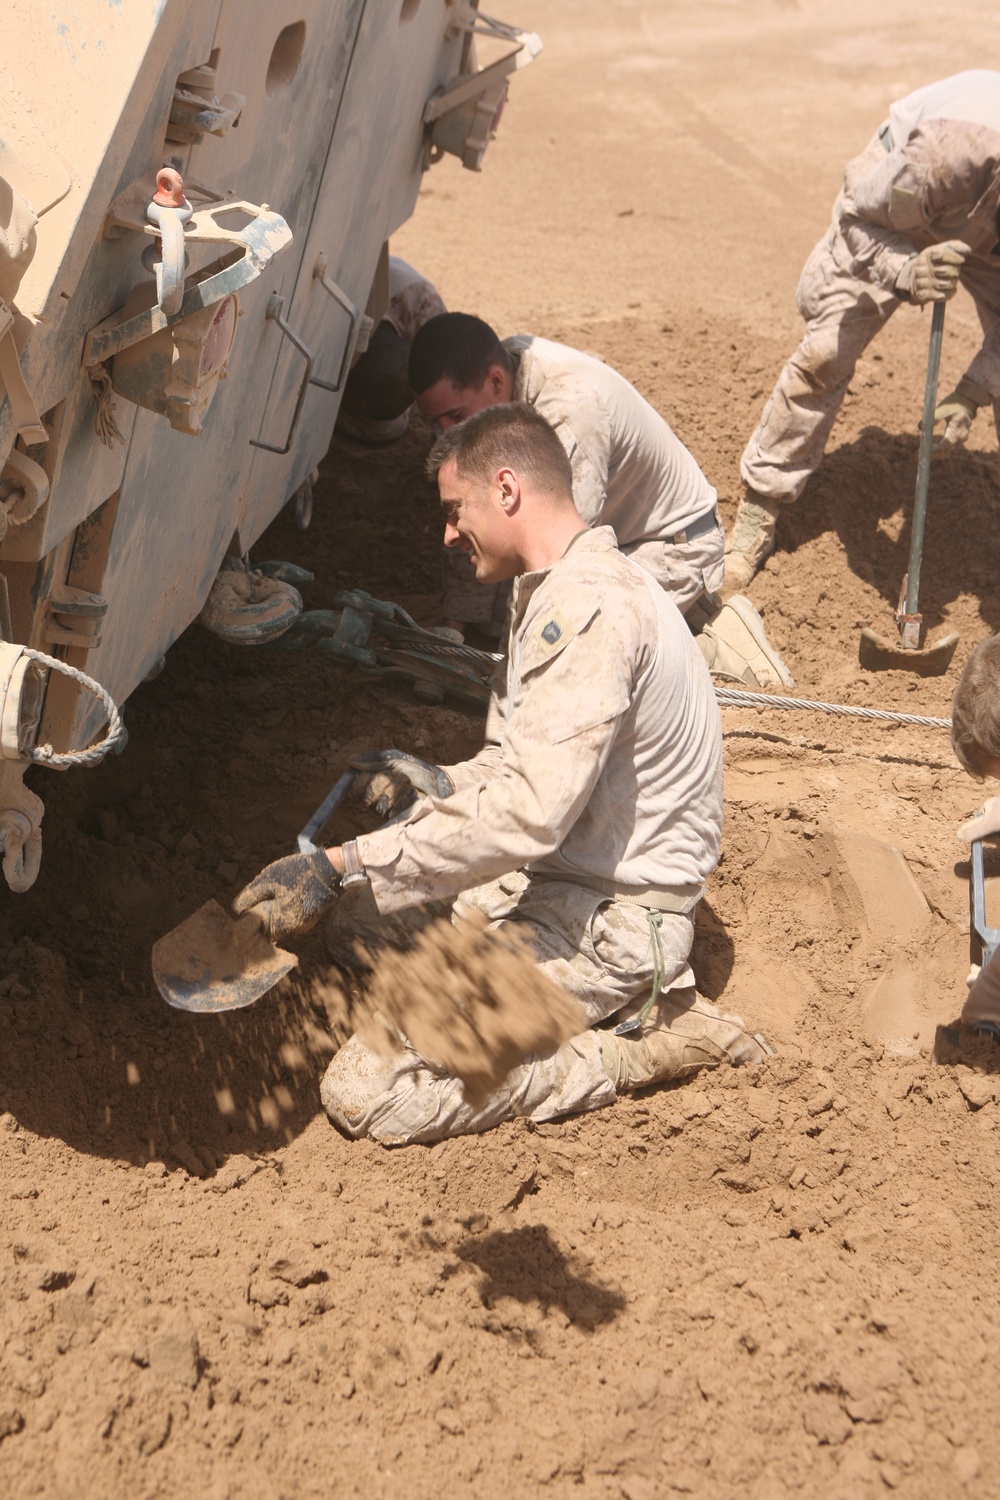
(506,491)
(458,367)
(975,711)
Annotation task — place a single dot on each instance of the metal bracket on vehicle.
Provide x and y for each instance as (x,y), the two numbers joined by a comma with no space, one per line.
(24,488)
(462,117)
(197,111)
(261,240)
(20,828)
(354,313)
(273,312)
(73,617)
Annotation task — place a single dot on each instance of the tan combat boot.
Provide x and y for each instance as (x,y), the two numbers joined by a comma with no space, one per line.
(688,1034)
(735,645)
(751,541)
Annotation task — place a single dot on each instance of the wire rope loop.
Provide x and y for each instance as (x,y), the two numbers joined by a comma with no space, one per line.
(44,755)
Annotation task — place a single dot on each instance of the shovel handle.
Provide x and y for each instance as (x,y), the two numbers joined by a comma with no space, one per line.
(924,461)
(333,799)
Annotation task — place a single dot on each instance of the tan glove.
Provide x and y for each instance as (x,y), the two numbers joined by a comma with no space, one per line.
(985,822)
(956,412)
(932,276)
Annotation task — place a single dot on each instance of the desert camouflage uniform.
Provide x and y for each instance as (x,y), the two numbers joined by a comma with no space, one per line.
(600,779)
(630,472)
(932,173)
(413,301)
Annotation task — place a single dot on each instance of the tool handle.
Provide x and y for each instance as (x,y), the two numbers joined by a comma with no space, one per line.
(924,461)
(332,800)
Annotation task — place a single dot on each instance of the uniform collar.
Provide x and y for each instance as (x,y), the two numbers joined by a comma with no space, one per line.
(590,540)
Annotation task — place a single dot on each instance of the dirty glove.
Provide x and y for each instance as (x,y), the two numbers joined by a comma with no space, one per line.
(932,276)
(957,412)
(290,895)
(985,822)
(395,779)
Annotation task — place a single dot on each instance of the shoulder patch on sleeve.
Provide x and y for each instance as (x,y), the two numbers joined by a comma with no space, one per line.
(555,630)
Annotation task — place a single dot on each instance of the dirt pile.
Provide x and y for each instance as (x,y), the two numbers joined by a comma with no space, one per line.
(472,1000)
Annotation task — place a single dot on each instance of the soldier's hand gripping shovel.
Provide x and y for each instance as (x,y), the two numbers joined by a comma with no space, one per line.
(878,651)
(214,962)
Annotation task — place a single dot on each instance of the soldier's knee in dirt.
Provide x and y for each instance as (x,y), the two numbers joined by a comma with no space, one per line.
(356,1087)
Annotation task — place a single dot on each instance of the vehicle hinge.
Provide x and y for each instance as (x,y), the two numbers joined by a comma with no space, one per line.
(73,617)
(197,111)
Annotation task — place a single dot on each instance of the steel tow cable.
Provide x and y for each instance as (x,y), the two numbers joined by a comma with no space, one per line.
(738,698)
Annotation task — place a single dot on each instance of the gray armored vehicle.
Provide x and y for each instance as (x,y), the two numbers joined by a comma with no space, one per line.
(195,202)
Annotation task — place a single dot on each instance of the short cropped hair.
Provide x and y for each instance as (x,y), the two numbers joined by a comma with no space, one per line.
(975,711)
(514,437)
(458,347)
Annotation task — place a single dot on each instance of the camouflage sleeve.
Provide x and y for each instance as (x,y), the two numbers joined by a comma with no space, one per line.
(938,175)
(574,692)
(489,759)
(412,307)
(877,243)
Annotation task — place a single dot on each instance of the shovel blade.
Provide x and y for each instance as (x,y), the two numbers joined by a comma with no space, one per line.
(211,962)
(880,653)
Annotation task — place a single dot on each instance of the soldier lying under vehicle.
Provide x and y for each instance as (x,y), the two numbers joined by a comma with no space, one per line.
(591,819)
(377,399)
(630,472)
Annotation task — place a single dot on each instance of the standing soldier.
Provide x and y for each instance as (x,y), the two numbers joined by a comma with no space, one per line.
(917,216)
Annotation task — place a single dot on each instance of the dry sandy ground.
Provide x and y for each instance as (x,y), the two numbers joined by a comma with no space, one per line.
(759,1284)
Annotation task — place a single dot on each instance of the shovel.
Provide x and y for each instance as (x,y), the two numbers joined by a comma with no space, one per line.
(213,962)
(877,651)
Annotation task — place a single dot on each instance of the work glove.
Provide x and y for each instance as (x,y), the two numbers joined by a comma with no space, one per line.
(985,822)
(394,780)
(932,276)
(956,412)
(291,894)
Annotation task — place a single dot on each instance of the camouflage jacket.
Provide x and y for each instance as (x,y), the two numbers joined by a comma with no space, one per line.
(603,754)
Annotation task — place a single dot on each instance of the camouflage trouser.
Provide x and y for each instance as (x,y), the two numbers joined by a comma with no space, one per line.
(599,950)
(687,570)
(843,314)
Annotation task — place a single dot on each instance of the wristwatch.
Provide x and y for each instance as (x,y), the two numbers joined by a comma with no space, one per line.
(354,871)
